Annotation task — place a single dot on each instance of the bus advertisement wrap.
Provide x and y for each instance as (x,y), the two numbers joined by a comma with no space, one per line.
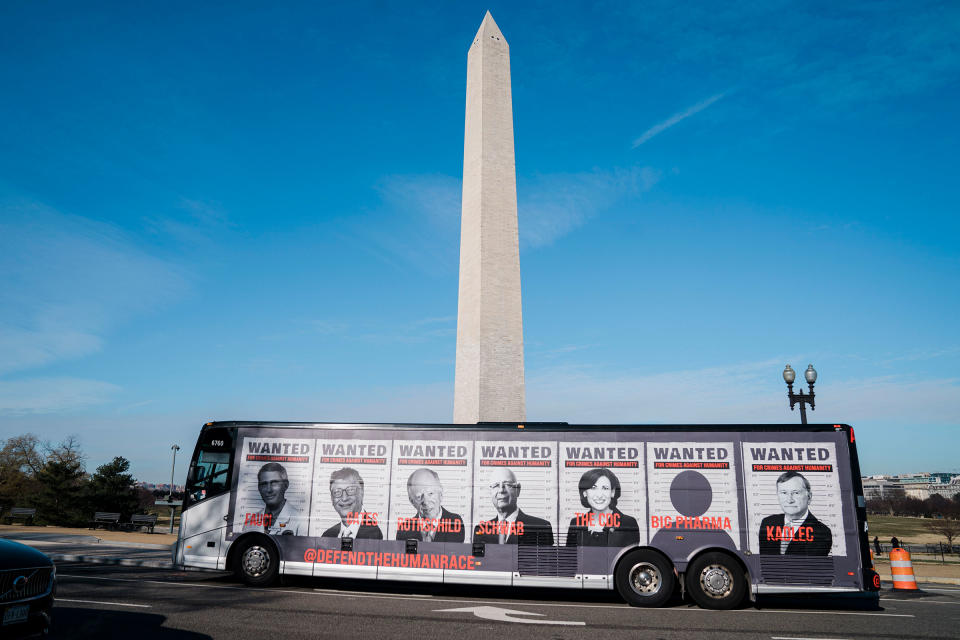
(693,488)
(273,490)
(793,499)
(430,491)
(350,489)
(515,492)
(602,494)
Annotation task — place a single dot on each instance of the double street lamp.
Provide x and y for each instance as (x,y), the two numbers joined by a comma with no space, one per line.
(789,376)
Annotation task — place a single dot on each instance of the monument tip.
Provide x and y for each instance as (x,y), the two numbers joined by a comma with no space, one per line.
(489,29)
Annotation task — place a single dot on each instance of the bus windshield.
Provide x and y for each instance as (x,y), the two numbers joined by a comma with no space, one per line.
(209,475)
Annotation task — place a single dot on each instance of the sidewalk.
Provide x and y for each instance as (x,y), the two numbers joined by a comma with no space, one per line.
(125,538)
(924,571)
(117,548)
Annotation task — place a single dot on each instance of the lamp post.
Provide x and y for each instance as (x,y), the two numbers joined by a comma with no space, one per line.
(789,375)
(173,468)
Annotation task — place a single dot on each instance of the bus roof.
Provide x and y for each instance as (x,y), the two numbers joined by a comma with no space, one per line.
(528,426)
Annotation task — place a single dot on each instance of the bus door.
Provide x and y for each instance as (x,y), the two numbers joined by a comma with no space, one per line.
(206,504)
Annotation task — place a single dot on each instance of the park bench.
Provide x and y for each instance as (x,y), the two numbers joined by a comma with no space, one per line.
(20,513)
(106,519)
(142,520)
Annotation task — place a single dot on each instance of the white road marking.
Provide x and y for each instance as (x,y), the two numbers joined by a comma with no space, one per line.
(364,593)
(482,602)
(508,615)
(791,638)
(836,613)
(112,604)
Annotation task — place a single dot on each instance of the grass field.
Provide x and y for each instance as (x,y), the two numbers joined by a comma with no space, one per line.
(909,530)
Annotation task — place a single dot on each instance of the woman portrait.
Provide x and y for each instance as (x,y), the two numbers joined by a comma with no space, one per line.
(602,524)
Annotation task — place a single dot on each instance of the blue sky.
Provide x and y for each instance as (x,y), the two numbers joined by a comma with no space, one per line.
(250,211)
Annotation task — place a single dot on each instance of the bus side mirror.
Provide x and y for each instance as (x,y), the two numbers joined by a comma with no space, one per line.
(196,475)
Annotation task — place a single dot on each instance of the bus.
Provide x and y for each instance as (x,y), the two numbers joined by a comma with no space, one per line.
(724,512)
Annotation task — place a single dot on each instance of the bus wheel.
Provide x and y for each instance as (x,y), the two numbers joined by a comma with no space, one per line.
(257,562)
(644,578)
(716,581)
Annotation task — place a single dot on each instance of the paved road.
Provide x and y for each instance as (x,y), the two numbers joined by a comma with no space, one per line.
(97,601)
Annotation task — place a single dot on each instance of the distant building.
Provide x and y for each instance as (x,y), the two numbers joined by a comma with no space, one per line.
(913,485)
(150,486)
(880,487)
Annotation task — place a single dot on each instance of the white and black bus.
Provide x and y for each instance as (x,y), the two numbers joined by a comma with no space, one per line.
(726,509)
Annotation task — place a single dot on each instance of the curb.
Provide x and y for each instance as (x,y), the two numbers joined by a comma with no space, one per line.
(929,580)
(123,562)
(95,542)
(135,545)
(50,538)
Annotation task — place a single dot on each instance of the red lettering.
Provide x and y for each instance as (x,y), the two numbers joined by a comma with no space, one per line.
(609,519)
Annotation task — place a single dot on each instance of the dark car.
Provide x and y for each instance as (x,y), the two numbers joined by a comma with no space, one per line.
(27,586)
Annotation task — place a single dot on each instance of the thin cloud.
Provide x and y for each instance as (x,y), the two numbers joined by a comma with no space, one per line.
(199,222)
(67,281)
(751,392)
(53,395)
(550,206)
(553,205)
(676,118)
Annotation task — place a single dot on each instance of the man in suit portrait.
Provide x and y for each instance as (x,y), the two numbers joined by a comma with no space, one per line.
(433,523)
(795,531)
(346,493)
(279,517)
(511,526)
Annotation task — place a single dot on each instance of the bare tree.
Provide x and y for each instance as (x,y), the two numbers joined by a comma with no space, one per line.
(21,453)
(67,451)
(947,528)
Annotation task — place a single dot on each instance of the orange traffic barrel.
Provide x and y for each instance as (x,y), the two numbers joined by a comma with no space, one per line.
(902,570)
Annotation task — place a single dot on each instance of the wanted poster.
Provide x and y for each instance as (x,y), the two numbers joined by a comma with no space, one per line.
(693,487)
(793,498)
(273,490)
(602,494)
(515,492)
(429,490)
(351,489)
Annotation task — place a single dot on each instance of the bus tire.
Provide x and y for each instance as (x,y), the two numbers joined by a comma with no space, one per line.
(257,561)
(716,580)
(645,578)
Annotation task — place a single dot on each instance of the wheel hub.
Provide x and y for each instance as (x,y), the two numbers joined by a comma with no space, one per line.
(645,578)
(256,561)
(716,580)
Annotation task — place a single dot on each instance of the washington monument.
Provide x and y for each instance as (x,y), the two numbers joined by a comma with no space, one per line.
(488,386)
